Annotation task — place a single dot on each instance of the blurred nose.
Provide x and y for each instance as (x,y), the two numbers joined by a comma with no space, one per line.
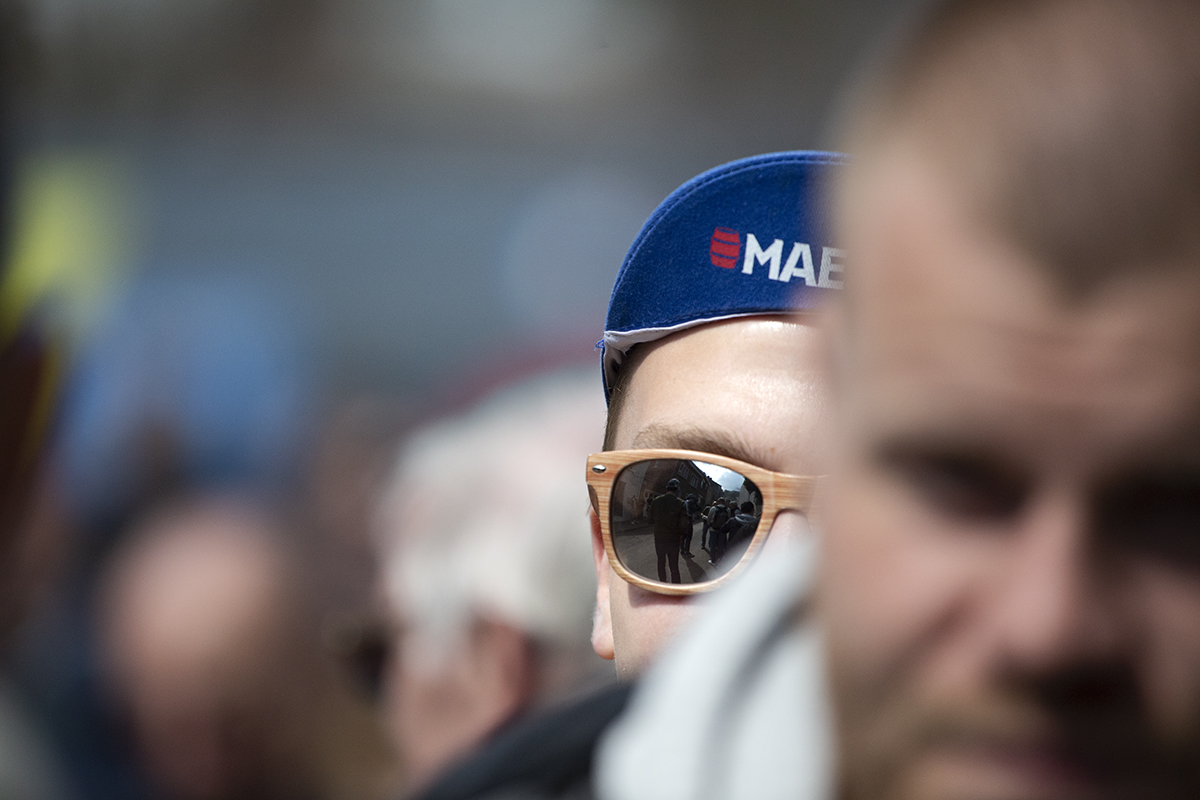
(1052,607)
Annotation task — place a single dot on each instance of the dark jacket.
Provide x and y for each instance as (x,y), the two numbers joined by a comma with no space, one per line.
(547,756)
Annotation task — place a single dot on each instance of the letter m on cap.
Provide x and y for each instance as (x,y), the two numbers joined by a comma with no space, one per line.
(725,247)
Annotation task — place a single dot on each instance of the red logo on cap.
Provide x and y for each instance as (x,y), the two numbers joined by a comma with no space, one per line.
(725,247)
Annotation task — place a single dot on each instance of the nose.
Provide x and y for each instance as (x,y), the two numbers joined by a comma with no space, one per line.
(1053,603)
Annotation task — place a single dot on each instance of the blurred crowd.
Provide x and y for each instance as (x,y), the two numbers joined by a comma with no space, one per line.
(881,481)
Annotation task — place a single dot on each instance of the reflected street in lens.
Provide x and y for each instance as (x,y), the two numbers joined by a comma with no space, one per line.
(682,521)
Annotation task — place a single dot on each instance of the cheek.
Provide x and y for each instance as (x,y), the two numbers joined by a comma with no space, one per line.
(643,623)
(1170,623)
(892,585)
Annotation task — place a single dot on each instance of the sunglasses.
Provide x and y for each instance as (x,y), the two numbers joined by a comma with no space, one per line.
(680,522)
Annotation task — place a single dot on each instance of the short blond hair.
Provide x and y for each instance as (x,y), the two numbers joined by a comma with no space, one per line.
(1074,124)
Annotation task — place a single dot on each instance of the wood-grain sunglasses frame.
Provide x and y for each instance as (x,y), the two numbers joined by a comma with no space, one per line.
(780,492)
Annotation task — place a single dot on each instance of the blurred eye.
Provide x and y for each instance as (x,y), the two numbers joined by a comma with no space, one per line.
(964,485)
(1157,515)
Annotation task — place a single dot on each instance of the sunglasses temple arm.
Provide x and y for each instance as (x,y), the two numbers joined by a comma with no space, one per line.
(795,493)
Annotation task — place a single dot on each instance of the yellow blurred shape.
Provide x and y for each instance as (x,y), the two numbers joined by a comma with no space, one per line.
(71,237)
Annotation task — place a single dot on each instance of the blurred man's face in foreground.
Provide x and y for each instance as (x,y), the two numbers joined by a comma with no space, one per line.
(1012,567)
(746,389)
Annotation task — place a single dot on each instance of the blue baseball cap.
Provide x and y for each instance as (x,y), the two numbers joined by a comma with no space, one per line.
(743,239)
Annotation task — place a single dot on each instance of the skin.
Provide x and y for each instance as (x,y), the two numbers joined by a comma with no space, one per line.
(1011,587)
(196,625)
(439,708)
(762,407)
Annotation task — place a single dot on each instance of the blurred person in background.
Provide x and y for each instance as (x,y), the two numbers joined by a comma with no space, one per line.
(693,296)
(212,649)
(187,384)
(354,453)
(30,767)
(1008,601)
(483,548)
(677,318)
(699,356)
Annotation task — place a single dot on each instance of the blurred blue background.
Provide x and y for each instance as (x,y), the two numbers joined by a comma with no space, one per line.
(434,184)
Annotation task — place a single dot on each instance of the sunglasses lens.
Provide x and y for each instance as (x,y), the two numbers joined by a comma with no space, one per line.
(682,521)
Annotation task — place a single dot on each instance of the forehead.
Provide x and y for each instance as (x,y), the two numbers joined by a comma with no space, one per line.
(951,329)
(745,387)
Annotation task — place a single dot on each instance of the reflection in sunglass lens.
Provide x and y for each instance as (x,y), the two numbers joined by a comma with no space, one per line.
(682,521)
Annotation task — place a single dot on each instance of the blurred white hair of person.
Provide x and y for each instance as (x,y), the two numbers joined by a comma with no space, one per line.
(486,563)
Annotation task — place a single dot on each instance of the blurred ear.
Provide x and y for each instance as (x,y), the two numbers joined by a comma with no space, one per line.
(602,636)
(506,670)
(442,704)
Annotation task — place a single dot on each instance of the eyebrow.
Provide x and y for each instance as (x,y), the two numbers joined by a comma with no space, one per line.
(718,443)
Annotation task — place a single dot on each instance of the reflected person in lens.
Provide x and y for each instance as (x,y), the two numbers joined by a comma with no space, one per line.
(653,542)
(708,283)
(736,534)
(670,518)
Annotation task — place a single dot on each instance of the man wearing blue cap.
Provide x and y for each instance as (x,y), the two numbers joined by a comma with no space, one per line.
(699,356)
(701,362)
